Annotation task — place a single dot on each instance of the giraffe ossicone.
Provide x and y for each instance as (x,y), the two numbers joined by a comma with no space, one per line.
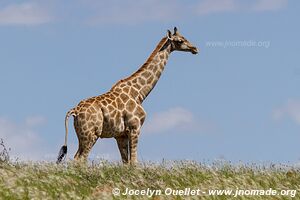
(119,113)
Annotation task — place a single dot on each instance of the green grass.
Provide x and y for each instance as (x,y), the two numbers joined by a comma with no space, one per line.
(96,181)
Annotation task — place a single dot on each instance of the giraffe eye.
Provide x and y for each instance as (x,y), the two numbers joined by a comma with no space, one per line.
(180,41)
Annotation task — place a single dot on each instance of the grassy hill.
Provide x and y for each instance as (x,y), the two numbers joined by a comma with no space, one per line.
(97,181)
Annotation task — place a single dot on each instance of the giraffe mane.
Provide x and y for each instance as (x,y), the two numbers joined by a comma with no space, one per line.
(160,45)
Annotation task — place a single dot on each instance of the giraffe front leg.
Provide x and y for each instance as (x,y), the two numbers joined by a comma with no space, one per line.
(133,141)
(123,143)
(134,129)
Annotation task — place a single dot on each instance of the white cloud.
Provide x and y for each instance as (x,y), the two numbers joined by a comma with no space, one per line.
(96,12)
(33,121)
(291,109)
(174,118)
(216,6)
(133,11)
(24,14)
(269,5)
(205,7)
(22,138)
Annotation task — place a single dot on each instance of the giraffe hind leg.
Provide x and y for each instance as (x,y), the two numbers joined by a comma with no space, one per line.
(79,152)
(85,146)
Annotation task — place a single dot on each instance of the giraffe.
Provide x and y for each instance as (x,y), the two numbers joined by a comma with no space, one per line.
(119,113)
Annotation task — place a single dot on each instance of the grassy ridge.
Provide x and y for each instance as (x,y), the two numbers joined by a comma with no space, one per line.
(96,181)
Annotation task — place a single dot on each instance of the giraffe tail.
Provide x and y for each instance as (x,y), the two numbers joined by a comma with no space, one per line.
(63,150)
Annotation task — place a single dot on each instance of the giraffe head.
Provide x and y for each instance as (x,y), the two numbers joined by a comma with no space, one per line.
(179,43)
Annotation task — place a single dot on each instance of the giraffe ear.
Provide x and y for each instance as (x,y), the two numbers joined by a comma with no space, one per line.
(169,35)
(175,30)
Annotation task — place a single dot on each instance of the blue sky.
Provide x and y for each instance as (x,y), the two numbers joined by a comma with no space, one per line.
(237,100)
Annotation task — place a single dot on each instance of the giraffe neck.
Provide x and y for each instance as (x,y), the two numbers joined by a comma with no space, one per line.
(141,83)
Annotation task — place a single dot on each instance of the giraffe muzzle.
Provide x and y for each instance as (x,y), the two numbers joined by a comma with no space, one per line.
(194,50)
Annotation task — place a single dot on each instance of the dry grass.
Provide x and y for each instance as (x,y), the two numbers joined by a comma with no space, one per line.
(96,181)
